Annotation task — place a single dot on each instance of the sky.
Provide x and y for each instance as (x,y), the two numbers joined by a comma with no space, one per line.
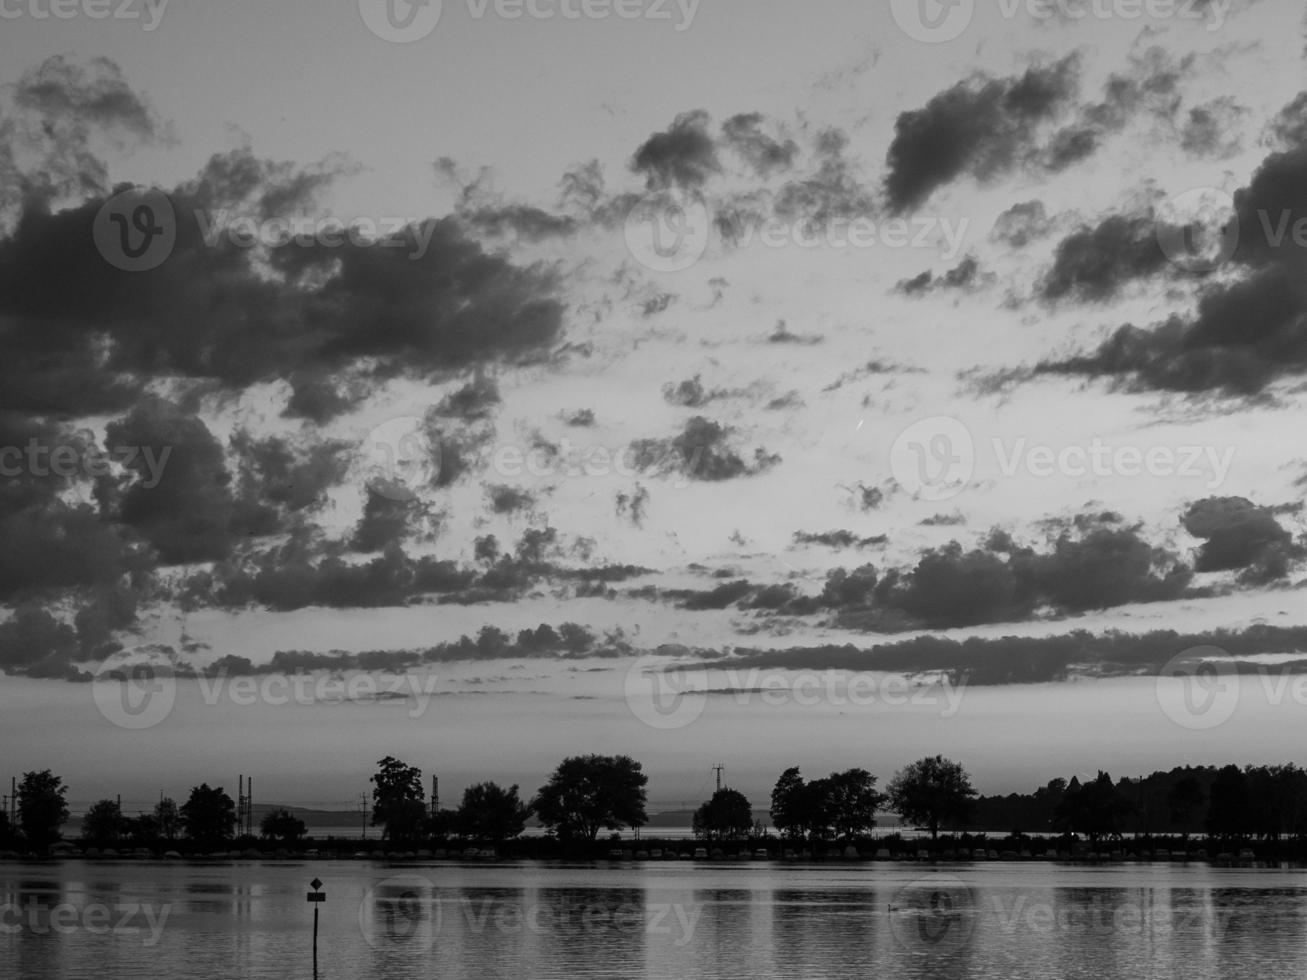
(525,364)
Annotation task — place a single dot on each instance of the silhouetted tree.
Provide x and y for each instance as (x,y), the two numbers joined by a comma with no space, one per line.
(103,823)
(398,801)
(282,825)
(799,808)
(726,816)
(589,793)
(209,816)
(852,801)
(491,813)
(168,818)
(931,792)
(42,809)
(1227,808)
(1094,809)
(1184,799)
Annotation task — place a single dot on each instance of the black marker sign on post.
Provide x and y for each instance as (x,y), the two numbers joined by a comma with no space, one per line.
(317,897)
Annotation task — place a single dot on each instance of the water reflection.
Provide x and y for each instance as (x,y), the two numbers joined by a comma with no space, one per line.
(757,921)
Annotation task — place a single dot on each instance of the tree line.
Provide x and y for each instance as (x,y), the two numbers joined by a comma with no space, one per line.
(588,794)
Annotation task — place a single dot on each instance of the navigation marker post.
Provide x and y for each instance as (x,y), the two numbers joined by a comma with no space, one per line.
(317,897)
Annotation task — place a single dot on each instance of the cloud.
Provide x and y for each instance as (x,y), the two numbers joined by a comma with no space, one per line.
(983,128)
(1248,330)
(1093,263)
(182,503)
(763,152)
(683,156)
(1239,536)
(1021,224)
(416,301)
(702,451)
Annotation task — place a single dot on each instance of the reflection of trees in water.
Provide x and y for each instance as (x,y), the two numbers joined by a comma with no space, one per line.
(824,932)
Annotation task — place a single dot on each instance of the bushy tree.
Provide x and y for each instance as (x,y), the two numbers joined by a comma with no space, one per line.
(589,793)
(491,813)
(727,816)
(209,816)
(398,801)
(931,793)
(168,818)
(103,823)
(282,825)
(42,809)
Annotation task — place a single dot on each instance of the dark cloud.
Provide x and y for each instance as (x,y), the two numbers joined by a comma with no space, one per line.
(833,190)
(1212,129)
(416,301)
(35,644)
(64,114)
(1088,563)
(964,277)
(1093,263)
(1239,536)
(1249,329)
(1289,127)
(702,451)
(763,152)
(182,501)
(1022,224)
(983,128)
(684,156)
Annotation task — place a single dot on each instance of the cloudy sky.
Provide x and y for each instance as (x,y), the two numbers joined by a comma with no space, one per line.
(492,357)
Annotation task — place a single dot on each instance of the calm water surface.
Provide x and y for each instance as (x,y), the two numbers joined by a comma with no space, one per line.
(703,921)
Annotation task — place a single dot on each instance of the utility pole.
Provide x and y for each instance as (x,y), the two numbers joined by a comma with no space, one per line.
(363,804)
(718,769)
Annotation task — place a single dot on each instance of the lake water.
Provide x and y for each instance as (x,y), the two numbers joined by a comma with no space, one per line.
(698,920)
